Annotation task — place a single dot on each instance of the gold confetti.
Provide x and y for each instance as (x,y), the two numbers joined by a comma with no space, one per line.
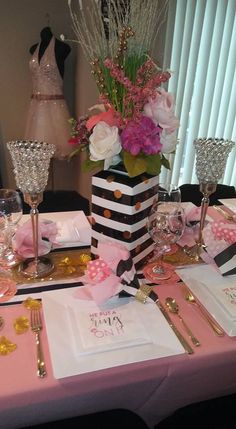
(32,304)
(6,346)
(84,258)
(68,266)
(21,324)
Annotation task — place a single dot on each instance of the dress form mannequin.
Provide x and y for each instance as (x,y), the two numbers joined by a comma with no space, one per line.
(48,114)
(62,50)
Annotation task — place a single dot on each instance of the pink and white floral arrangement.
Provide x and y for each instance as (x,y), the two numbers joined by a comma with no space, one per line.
(135,124)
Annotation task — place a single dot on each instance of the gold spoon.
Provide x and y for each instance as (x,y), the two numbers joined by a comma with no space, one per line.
(174,308)
(190,298)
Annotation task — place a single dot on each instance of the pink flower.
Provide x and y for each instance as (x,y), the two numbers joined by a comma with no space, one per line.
(109,116)
(142,136)
(161,110)
(73,141)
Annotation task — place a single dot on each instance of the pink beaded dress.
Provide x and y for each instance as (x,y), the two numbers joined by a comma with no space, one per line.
(48,114)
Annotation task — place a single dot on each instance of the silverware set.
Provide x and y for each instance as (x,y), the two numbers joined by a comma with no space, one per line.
(171,306)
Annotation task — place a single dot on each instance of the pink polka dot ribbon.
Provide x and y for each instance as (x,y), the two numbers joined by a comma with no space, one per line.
(98,270)
(223,230)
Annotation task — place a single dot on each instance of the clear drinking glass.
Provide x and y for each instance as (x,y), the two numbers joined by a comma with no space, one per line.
(11,206)
(166,225)
(4,238)
(167,194)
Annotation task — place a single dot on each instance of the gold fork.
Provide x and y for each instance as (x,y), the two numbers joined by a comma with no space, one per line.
(225,214)
(36,327)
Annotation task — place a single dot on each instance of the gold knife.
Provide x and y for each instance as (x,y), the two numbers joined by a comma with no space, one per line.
(145,291)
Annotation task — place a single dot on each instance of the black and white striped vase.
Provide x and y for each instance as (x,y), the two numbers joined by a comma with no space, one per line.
(120,206)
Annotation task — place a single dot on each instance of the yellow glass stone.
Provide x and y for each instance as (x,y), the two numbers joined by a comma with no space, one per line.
(6,346)
(32,304)
(84,258)
(21,324)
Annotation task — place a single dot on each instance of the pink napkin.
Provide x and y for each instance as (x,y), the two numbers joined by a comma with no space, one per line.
(107,275)
(23,239)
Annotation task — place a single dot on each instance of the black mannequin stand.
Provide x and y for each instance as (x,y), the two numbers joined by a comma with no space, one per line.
(62,50)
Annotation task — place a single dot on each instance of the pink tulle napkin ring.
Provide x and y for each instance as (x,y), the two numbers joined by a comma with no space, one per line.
(220,240)
(112,273)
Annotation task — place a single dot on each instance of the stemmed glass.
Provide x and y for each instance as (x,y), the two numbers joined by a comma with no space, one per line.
(31,160)
(11,207)
(167,193)
(166,223)
(4,239)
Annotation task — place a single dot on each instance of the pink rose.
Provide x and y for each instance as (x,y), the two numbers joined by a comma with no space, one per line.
(108,116)
(161,110)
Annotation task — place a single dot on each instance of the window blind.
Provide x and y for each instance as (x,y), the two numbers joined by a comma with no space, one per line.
(200,51)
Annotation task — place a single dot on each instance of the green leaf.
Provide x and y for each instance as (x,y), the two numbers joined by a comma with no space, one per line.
(165,162)
(75,152)
(89,165)
(134,165)
(153,164)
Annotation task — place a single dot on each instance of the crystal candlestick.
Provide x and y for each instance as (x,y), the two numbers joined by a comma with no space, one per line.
(211,159)
(31,160)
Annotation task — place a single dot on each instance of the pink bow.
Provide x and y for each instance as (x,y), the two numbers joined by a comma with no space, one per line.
(101,279)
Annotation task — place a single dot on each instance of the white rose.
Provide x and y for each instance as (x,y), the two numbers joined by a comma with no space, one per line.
(168,142)
(105,144)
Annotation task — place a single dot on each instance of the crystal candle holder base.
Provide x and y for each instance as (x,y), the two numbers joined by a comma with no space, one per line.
(37,269)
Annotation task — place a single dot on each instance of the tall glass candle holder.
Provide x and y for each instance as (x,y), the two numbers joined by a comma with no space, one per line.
(31,160)
(211,159)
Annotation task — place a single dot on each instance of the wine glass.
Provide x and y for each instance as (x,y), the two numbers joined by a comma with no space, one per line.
(166,223)
(167,194)
(4,239)
(11,206)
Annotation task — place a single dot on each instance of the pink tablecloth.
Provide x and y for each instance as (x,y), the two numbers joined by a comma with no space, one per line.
(153,389)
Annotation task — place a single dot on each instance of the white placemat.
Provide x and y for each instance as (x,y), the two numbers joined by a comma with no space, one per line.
(230,203)
(63,335)
(215,292)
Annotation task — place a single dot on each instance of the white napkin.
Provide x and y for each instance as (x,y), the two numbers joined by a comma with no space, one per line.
(230,203)
(223,289)
(74,229)
(108,328)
